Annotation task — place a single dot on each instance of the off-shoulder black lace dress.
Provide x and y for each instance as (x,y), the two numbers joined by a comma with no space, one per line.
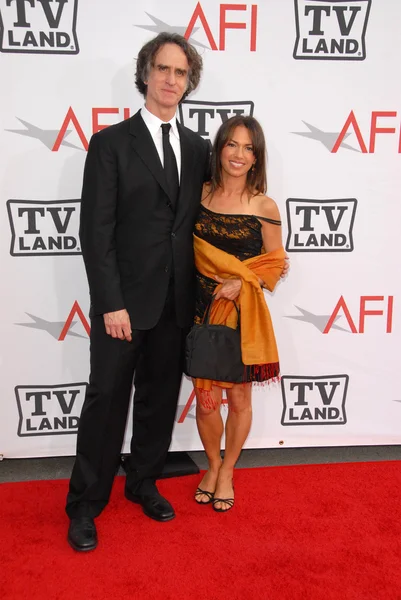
(240,235)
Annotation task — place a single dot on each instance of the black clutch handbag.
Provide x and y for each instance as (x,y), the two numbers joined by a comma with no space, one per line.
(214,351)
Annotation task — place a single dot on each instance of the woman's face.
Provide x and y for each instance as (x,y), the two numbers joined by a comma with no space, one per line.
(237,156)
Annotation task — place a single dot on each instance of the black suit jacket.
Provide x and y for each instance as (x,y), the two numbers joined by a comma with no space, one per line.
(132,240)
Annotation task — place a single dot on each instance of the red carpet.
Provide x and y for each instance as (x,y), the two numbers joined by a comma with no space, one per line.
(305,532)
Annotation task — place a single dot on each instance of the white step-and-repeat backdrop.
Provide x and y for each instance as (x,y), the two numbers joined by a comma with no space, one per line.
(323,78)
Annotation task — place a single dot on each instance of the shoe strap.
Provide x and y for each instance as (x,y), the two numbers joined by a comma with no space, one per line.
(229,501)
(199,492)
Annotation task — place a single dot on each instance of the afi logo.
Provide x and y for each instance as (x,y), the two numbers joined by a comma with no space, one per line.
(333,141)
(331,29)
(49,409)
(39,26)
(228,18)
(314,400)
(386,312)
(187,407)
(69,123)
(200,17)
(76,310)
(369,145)
(206,117)
(60,329)
(44,228)
(320,225)
(324,323)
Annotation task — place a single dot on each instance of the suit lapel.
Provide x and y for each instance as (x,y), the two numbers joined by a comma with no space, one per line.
(144,146)
(187,161)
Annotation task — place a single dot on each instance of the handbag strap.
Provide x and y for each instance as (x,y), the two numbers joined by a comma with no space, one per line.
(207,313)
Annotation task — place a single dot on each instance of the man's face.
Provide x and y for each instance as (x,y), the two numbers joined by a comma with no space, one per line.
(167,79)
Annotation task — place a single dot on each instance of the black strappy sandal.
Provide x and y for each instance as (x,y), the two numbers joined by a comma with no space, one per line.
(199,492)
(229,501)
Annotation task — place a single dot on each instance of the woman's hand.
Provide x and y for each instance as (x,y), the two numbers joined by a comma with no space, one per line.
(230,288)
(286,266)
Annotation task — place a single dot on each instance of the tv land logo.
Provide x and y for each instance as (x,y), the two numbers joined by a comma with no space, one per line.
(320,225)
(383,307)
(206,117)
(49,409)
(334,140)
(314,400)
(331,29)
(39,26)
(44,228)
(198,19)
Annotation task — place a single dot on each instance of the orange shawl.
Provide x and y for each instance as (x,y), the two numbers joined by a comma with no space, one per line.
(258,343)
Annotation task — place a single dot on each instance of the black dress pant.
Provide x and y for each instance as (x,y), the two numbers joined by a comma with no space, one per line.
(156,358)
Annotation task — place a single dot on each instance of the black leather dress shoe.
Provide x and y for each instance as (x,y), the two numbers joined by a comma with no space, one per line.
(82,534)
(153,505)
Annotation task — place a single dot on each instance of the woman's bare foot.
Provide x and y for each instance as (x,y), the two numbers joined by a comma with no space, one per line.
(208,484)
(224,490)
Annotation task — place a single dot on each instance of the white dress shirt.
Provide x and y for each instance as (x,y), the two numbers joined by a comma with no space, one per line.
(154,124)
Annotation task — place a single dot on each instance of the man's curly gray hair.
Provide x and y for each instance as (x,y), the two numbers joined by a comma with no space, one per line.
(147,54)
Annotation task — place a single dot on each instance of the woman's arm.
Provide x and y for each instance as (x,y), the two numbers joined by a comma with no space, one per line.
(271,232)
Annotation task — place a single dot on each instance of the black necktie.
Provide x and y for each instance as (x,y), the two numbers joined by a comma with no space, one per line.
(170,164)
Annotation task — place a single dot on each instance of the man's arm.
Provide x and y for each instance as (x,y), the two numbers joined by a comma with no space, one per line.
(97,235)
(97,227)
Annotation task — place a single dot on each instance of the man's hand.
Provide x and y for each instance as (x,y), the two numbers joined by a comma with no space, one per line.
(118,324)
(230,288)
(286,267)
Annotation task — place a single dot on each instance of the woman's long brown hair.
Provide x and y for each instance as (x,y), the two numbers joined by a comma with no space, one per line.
(256,182)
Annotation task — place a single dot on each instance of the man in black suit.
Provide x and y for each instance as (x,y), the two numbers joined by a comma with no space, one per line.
(141,194)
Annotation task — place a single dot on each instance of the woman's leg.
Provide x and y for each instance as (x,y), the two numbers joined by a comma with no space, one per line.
(238,424)
(210,427)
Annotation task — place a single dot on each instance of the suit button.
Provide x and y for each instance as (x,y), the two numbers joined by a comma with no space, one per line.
(173,235)
(166,269)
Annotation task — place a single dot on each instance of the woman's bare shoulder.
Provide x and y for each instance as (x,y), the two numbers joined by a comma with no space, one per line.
(267,207)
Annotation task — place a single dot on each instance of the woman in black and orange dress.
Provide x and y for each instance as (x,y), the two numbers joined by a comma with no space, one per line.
(237,218)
